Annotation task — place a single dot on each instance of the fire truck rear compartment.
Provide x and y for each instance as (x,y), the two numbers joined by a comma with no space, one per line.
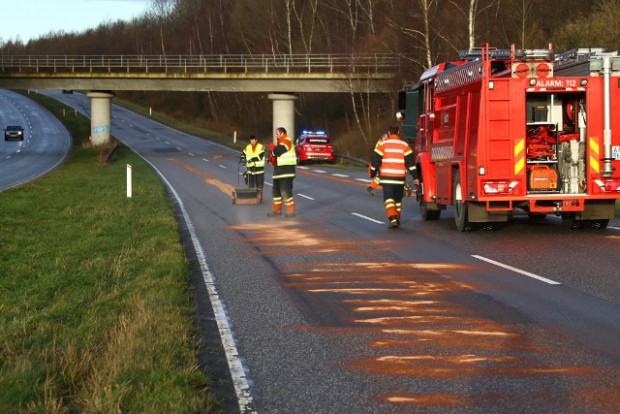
(555,133)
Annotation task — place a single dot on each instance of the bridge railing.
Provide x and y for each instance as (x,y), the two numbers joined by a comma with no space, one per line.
(240,63)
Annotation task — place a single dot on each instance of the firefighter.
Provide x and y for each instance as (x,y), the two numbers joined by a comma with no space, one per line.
(391,160)
(284,159)
(253,156)
(375,181)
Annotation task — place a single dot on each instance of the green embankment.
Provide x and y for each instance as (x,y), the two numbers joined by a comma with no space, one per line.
(95,308)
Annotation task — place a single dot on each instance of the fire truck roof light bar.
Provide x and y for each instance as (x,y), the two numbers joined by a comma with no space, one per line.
(506,54)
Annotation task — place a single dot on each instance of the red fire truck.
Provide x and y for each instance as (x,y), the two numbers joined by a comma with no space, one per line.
(500,132)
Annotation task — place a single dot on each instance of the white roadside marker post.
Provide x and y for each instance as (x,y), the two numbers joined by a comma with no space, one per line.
(129,189)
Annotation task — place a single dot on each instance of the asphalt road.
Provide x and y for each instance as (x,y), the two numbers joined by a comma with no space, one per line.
(46,142)
(331,312)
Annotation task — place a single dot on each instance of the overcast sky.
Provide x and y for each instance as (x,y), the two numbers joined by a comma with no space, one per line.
(29,19)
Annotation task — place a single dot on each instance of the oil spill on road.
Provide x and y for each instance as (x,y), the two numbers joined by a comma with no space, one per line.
(432,342)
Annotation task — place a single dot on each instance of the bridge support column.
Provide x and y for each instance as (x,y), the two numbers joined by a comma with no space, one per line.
(100,123)
(284,112)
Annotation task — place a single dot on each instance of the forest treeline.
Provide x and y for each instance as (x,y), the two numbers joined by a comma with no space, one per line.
(423,32)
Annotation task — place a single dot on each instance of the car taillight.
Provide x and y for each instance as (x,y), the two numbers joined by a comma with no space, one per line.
(499,187)
(611,185)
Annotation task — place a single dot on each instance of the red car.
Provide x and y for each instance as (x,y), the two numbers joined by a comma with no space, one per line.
(314,146)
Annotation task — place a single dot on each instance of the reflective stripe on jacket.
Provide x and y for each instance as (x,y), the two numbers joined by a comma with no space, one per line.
(286,158)
(393,158)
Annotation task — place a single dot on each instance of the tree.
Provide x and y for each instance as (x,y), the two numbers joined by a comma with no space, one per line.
(471,11)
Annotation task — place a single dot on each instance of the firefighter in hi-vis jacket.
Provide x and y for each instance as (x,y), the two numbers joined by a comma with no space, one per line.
(284,159)
(254,158)
(391,160)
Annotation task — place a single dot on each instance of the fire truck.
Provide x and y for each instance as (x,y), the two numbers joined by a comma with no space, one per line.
(505,132)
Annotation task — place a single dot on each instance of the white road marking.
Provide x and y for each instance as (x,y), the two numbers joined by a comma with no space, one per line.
(301,167)
(341,175)
(191,154)
(364,180)
(266,183)
(222,166)
(305,196)
(514,269)
(204,159)
(368,218)
(320,171)
(613,228)
(179,148)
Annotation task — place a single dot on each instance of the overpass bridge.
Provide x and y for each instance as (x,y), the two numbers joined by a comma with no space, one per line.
(282,76)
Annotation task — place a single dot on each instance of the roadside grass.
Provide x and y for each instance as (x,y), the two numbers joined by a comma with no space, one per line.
(95,300)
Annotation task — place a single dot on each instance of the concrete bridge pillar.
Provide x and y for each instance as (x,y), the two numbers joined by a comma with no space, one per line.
(283,112)
(100,123)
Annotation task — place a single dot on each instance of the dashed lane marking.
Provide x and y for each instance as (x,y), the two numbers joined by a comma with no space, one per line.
(367,218)
(514,269)
(305,196)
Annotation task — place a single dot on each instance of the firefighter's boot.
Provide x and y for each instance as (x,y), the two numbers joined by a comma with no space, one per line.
(277,207)
(394,222)
(290,207)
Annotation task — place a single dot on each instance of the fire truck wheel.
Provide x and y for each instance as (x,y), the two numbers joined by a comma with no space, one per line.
(599,224)
(426,212)
(461,208)
(570,222)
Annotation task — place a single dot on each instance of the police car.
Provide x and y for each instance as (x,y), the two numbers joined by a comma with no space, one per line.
(314,146)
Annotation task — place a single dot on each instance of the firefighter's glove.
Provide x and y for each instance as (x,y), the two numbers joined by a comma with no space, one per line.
(408,190)
(370,190)
(272,146)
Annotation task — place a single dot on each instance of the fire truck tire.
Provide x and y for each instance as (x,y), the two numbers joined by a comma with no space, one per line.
(600,224)
(570,222)
(427,212)
(461,208)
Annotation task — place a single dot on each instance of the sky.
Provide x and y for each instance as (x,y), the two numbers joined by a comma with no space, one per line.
(30,19)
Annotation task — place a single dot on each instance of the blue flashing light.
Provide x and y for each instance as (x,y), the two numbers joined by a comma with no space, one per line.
(310,132)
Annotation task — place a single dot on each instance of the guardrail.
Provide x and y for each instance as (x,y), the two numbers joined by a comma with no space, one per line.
(307,63)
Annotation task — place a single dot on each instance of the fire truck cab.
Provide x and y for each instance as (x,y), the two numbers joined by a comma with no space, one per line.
(501,132)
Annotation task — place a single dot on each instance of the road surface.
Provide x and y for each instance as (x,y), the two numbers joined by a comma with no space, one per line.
(45,146)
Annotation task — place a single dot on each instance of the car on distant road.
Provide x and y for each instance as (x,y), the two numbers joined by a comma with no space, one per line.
(314,146)
(13,132)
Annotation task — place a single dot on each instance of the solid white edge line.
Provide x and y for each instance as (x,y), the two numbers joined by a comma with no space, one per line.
(305,196)
(238,371)
(514,269)
(613,228)
(367,218)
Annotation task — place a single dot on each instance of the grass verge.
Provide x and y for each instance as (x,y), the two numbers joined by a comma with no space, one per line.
(95,309)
